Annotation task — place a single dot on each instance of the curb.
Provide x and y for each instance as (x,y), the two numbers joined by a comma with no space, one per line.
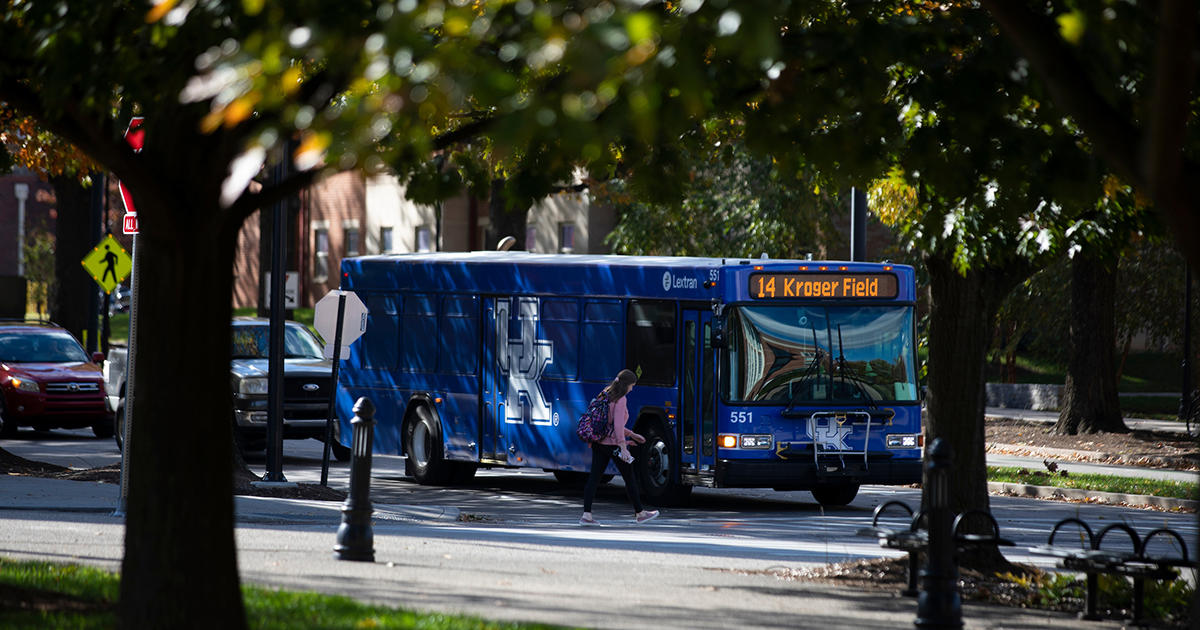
(1093,496)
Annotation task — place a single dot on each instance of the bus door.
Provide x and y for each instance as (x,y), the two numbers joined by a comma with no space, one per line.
(491,398)
(697,429)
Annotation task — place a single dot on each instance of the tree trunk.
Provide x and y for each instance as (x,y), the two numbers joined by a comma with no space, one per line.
(1090,403)
(962,315)
(72,241)
(180,565)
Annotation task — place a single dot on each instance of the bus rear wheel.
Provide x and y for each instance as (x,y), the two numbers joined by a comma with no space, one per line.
(423,444)
(835,495)
(656,470)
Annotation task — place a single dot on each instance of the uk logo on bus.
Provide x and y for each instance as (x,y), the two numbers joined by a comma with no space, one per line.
(522,360)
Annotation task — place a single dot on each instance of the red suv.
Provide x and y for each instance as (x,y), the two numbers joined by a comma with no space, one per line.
(48,381)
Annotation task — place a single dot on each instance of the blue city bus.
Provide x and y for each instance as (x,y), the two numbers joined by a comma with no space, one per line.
(782,374)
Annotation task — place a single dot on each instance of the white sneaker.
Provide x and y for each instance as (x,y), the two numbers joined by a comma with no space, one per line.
(588,522)
(646,516)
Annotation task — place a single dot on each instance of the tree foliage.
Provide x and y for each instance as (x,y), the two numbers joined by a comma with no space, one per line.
(734,204)
(1125,74)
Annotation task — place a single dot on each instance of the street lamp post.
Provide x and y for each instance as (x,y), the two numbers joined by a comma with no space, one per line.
(1186,392)
(21,190)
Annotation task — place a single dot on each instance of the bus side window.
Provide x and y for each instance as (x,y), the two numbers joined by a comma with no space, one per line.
(419,336)
(601,341)
(380,346)
(560,326)
(460,335)
(650,341)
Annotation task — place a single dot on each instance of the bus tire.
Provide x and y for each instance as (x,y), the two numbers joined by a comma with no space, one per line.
(423,444)
(571,478)
(657,469)
(462,472)
(577,478)
(835,495)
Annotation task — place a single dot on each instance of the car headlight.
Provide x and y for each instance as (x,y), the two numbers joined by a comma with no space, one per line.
(253,386)
(26,385)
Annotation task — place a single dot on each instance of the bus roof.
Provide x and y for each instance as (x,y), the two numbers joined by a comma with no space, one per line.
(677,277)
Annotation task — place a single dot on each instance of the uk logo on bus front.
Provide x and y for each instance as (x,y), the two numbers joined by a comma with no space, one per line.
(521,362)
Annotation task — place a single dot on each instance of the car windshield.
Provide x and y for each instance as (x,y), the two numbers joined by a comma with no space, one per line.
(40,347)
(804,354)
(254,342)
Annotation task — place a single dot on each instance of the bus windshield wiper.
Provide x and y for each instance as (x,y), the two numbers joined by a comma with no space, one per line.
(854,378)
(816,361)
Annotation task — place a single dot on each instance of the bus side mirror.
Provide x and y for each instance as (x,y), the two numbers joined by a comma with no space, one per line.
(718,333)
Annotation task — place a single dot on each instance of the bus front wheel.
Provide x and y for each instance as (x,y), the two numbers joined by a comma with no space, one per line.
(657,470)
(835,495)
(423,444)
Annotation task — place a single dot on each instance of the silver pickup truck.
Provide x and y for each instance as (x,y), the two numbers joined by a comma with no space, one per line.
(307,379)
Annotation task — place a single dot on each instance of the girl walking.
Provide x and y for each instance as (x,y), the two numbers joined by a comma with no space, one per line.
(615,448)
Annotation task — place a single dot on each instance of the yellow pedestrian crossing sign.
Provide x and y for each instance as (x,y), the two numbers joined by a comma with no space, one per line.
(108,263)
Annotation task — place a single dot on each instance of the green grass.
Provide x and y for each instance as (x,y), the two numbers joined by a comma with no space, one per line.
(1166,407)
(1099,483)
(1144,372)
(266,609)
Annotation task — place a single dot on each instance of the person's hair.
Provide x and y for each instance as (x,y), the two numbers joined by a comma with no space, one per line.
(620,385)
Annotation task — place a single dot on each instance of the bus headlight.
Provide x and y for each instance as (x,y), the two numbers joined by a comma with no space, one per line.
(904,440)
(756,441)
(751,441)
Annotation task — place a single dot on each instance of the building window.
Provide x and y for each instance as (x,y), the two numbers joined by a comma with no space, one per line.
(530,238)
(566,238)
(424,239)
(385,240)
(321,254)
(353,235)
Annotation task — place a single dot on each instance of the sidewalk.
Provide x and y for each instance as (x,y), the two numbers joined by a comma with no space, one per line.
(1050,417)
(426,563)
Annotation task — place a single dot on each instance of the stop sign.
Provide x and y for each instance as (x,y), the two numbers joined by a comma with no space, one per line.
(135,136)
(353,324)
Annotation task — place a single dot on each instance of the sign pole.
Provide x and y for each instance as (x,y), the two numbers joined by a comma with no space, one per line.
(130,358)
(337,358)
(135,137)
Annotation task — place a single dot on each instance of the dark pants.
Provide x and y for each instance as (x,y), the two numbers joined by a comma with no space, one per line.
(601,454)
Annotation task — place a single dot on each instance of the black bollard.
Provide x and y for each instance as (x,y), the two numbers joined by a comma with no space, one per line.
(939,604)
(355,539)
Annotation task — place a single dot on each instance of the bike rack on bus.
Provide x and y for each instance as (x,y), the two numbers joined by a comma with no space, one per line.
(840,418)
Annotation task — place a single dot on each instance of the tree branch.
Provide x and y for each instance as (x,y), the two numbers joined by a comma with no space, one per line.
(247,203)
(1114,135)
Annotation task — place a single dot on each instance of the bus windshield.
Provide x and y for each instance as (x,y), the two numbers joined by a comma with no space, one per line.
(820,355)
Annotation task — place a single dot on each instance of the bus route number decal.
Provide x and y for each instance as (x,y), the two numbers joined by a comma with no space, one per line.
(741,417)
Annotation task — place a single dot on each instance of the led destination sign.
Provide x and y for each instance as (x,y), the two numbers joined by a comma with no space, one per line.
(847,285)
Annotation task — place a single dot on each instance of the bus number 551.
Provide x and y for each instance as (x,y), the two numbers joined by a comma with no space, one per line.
(741,417)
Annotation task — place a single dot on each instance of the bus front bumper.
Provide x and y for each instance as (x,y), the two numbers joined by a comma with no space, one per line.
(802,474)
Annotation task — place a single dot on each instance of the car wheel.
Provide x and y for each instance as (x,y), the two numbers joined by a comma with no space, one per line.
(340,452)
(8,428)
(104,429)
(423,444)
(119,425)
(835,495)
(657,470)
